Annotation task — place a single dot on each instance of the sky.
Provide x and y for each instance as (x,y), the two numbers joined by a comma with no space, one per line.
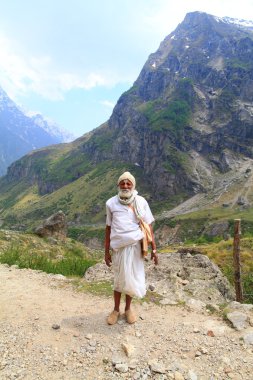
(71,60)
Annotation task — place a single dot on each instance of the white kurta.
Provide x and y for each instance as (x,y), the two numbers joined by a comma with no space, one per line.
(124,224)
(129,275)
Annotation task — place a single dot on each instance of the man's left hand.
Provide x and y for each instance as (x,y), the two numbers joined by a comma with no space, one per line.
(154,257)
(108,259)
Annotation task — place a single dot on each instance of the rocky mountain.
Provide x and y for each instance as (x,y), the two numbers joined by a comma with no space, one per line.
(189,113)
(21,133)
(184,128)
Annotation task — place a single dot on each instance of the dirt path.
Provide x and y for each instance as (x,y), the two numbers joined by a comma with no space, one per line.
(166,343)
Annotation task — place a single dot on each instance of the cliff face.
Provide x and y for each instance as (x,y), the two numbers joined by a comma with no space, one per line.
(186,120)
(193,97)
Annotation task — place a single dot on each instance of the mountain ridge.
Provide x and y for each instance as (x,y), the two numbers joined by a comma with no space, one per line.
(21,132)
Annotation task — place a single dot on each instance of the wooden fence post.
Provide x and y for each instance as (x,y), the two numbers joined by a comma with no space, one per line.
(236,260)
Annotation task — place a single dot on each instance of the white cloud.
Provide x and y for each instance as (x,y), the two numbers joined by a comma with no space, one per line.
(20,75)
(108,103)
(52,74)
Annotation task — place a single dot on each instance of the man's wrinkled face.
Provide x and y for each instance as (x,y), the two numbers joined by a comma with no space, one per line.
(125,188)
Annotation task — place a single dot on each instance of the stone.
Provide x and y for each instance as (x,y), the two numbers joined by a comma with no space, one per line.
(157,367)
(226,360)
(238,320)
(241,201)
(121,367)
(244,307)
(217,229)
(196,305)
(55,225)
(213,328)
(116,359)
(203,350)
(91,348)
(232,375)
(227,369)
(192,375)
(59,277)
(133,363)
(178,376)
(99,272)
(248,338)
(55,326)
(128,349)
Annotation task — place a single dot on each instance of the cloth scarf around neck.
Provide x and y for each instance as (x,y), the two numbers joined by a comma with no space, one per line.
(133,201)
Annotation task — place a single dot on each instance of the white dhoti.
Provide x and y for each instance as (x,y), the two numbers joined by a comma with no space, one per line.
(129,275)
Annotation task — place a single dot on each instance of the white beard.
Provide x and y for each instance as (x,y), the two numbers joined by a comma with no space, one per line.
(126,193)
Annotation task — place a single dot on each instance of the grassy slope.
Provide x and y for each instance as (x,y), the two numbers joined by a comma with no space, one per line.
(66,257)
(83,198)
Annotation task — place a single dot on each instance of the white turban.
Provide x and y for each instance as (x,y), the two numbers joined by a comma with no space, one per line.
(128,176)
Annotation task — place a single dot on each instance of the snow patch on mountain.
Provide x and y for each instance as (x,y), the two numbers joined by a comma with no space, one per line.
(50,127)
(236,21)
(22,132)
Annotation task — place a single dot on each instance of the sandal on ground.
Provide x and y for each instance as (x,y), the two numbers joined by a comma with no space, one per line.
(130,316)
(113,317)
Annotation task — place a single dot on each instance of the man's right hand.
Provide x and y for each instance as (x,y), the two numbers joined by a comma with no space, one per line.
(108,259)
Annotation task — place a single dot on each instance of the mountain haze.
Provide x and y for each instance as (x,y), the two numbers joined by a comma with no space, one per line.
(184,128)
(20,133)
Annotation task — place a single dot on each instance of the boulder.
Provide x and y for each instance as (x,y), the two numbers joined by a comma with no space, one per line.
(166,234)
(217,229)
(55,226)
(99,272)
(181,276)
(238,320)
(241,201)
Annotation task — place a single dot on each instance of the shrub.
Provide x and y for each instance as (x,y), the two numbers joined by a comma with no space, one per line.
(174,116)
(69,266)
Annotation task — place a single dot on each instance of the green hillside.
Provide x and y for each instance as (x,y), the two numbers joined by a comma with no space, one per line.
(84,199)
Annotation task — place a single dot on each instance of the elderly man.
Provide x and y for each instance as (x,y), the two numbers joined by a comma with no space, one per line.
(123,236)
